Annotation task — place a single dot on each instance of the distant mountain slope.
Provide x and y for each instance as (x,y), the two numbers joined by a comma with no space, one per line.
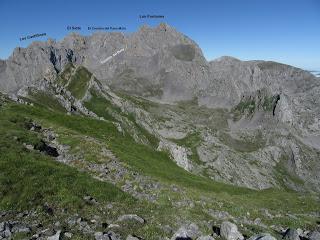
(160,63)
(234,121)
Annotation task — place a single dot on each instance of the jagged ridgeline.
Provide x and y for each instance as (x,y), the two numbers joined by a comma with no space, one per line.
(119,136)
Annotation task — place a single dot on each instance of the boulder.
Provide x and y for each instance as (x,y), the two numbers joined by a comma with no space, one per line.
(291,234)
(229,231)
(47,232)
(56,236)
(5,230)
(315,235)
(106,236)
(190,231)
(6,233)
(300,231)
(98,235)
(67,235)
(90,200)
(113,236)
(2,226)
(130,217)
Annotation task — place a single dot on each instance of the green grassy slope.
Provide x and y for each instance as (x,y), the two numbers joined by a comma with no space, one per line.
(46,100)
(146,160)
(30,178)
(49,181)
(78,84)
(100,105)
(64,76)
(104,108)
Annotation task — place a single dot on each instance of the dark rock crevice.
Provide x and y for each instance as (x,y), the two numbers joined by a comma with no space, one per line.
(44,147)
(275,104)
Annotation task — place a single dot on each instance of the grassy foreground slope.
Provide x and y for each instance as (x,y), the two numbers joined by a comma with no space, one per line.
(31,179)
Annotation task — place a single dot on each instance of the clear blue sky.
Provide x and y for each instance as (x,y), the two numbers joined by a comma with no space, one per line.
(287,31)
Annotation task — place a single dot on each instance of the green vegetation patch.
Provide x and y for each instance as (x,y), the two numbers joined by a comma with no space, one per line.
(246,106)
(243,145)
(142,157)
(270,102)
(64,76)
(79,82)
(29,178)
(154,142)
(184,52)
(45,99)
(104,108)
(140,102)
(214,118)
(191,141)
(101,106)
(128,82)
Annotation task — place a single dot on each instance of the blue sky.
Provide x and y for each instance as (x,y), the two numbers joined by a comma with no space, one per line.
(287,31)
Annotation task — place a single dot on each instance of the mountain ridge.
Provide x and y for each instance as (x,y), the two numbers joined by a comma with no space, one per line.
(166,67)
(160,62)
(141,44)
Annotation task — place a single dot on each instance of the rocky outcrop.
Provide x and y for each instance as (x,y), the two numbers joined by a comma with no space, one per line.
(291,234)
(190,231)
(229,231)
(131,217)
(179,154)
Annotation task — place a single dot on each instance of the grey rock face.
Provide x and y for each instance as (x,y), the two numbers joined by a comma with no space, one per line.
(155,59)
(314,235)
(291,234)
(184,52)
(2,226)
(250,76)
(178,153)
(229,231)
